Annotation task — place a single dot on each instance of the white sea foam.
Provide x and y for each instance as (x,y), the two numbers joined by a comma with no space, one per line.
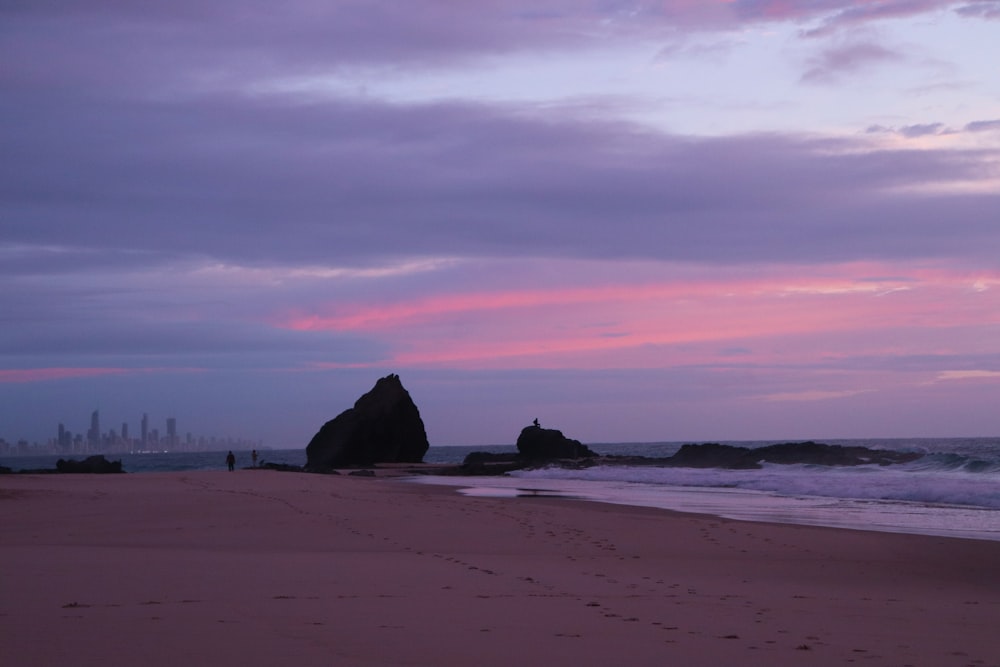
(743,503)
(953,490)
(936,486)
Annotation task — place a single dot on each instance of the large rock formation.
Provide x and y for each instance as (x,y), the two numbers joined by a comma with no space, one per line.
(537,443)
(384,426)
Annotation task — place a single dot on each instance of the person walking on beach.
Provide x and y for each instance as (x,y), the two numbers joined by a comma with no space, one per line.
(231,460)
(253,457)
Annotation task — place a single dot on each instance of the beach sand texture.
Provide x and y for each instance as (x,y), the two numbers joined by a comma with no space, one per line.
(264,568)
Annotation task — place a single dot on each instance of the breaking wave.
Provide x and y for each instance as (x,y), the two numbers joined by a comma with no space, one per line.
(973,483)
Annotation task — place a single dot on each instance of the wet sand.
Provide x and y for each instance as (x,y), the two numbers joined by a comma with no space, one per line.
(263,568)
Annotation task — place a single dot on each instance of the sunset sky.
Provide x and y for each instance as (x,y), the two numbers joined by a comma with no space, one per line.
(683,220)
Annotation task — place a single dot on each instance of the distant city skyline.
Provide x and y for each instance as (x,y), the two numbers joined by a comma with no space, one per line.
(94,440)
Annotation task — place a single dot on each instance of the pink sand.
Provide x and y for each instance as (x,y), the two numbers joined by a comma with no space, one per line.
(265,568)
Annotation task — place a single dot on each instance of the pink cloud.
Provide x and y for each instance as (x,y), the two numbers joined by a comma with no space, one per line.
(18,375)
(680,322)
(969,375)
(391,315)
(45,374)
(836,14)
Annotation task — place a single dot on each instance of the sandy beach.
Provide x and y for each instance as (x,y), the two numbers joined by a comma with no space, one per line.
(259,567)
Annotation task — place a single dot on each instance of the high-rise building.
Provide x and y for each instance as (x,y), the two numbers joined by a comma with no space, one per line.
(125,431)
(94,434)
(65,439)
(145,428)
(172,431)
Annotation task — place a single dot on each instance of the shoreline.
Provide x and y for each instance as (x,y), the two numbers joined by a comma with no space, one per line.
(940,519)
(258,567)
(886,516)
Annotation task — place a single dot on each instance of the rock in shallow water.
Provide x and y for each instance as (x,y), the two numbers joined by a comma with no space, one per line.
(91,465)
(536,443)
(713,455)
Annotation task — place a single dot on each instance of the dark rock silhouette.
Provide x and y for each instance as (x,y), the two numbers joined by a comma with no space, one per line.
(384,426)
(92,464)
(536,443)
(713,455)
(483,458)
(535,446)
(281,467)
(486,463)
(707,455)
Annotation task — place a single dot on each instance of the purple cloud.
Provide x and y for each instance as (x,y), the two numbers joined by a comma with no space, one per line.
(116,45)
(913,131)
(835,63)
(983,9)
(255,181)
(934,129)
(983,126)
(923,130)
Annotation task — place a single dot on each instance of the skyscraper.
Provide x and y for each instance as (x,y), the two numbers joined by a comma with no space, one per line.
(145,428)
(94,434)
(171,431)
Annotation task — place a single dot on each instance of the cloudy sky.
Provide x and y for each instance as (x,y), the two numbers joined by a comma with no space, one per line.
(633,220)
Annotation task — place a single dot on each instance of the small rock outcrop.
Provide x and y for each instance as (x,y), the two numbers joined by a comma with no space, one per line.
(384,426)
(537,443)
(91,465)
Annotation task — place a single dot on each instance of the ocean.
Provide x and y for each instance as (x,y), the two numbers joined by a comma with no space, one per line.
(953,490)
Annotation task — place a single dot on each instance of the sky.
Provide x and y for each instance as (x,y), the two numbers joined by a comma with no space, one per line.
(635,221)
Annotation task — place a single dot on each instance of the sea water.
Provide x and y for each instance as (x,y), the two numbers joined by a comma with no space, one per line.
(952,490)
(159,461)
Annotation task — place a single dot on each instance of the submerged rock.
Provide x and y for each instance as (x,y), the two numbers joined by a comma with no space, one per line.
(282,467)
(713,455)
(487,463)
(384,426)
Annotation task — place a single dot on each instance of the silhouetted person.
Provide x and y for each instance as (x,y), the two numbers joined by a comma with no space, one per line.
(231,461)
(535,423)
(253,457)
